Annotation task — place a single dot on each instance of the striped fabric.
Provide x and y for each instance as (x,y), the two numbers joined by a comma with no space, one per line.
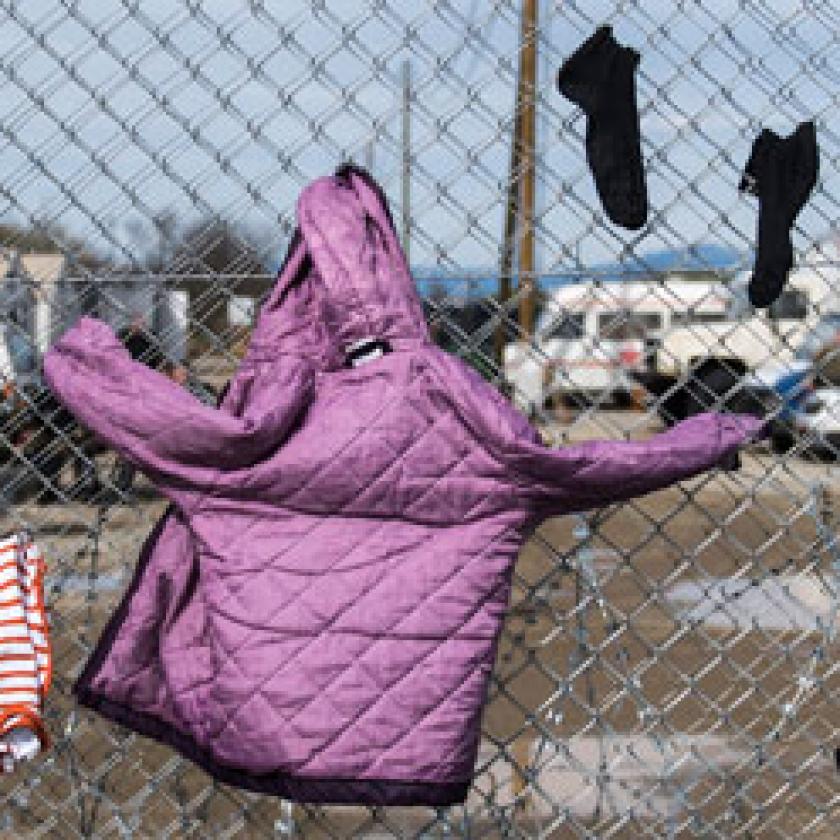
(25,655)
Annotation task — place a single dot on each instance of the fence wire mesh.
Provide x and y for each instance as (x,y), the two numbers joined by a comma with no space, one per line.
(668,667)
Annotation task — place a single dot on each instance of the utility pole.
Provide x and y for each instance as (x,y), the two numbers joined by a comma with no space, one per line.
(406,160)
(508,244)
(526,103)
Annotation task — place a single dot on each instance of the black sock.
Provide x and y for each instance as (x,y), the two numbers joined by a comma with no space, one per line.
(599,77)
(781,171)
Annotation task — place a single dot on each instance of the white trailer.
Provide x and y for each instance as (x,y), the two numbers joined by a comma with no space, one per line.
(599,338)
(732,362)
(593,334)
(754,338)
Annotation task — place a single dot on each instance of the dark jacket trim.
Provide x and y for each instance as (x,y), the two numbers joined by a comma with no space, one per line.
(109,633)
(296,788)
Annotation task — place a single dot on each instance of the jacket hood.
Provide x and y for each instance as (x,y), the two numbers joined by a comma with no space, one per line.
(344,277)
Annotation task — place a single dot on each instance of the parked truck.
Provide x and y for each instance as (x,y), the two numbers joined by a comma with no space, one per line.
(688,340)
(593,334)
(734,363)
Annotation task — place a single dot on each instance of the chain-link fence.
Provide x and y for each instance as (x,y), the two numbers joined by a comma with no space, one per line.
(668,666)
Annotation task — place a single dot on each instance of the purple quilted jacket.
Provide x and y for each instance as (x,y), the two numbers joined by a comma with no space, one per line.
(316,615)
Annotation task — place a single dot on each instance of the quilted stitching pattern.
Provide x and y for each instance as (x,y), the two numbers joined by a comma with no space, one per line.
(327,599)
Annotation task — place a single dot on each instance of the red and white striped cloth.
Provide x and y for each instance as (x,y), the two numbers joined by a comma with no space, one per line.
(25,654)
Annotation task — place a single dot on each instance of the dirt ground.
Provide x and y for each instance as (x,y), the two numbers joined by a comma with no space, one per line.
(649,705)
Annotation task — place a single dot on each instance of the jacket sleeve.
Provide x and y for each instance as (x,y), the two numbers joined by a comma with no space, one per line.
(182,444)
(586,475)
(597,473)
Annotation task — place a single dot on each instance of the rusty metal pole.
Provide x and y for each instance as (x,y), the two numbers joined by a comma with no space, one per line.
(527,97)
(406,160)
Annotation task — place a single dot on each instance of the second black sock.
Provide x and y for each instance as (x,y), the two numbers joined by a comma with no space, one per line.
(781,171)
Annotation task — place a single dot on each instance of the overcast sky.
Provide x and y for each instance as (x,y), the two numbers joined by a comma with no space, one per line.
(114,111)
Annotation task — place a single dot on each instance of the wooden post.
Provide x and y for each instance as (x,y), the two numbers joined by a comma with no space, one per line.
(527,106)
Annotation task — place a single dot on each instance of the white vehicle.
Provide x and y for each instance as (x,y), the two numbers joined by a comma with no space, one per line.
(703,365)
(670,333)
(817,425)
(593,334)
(755,339)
